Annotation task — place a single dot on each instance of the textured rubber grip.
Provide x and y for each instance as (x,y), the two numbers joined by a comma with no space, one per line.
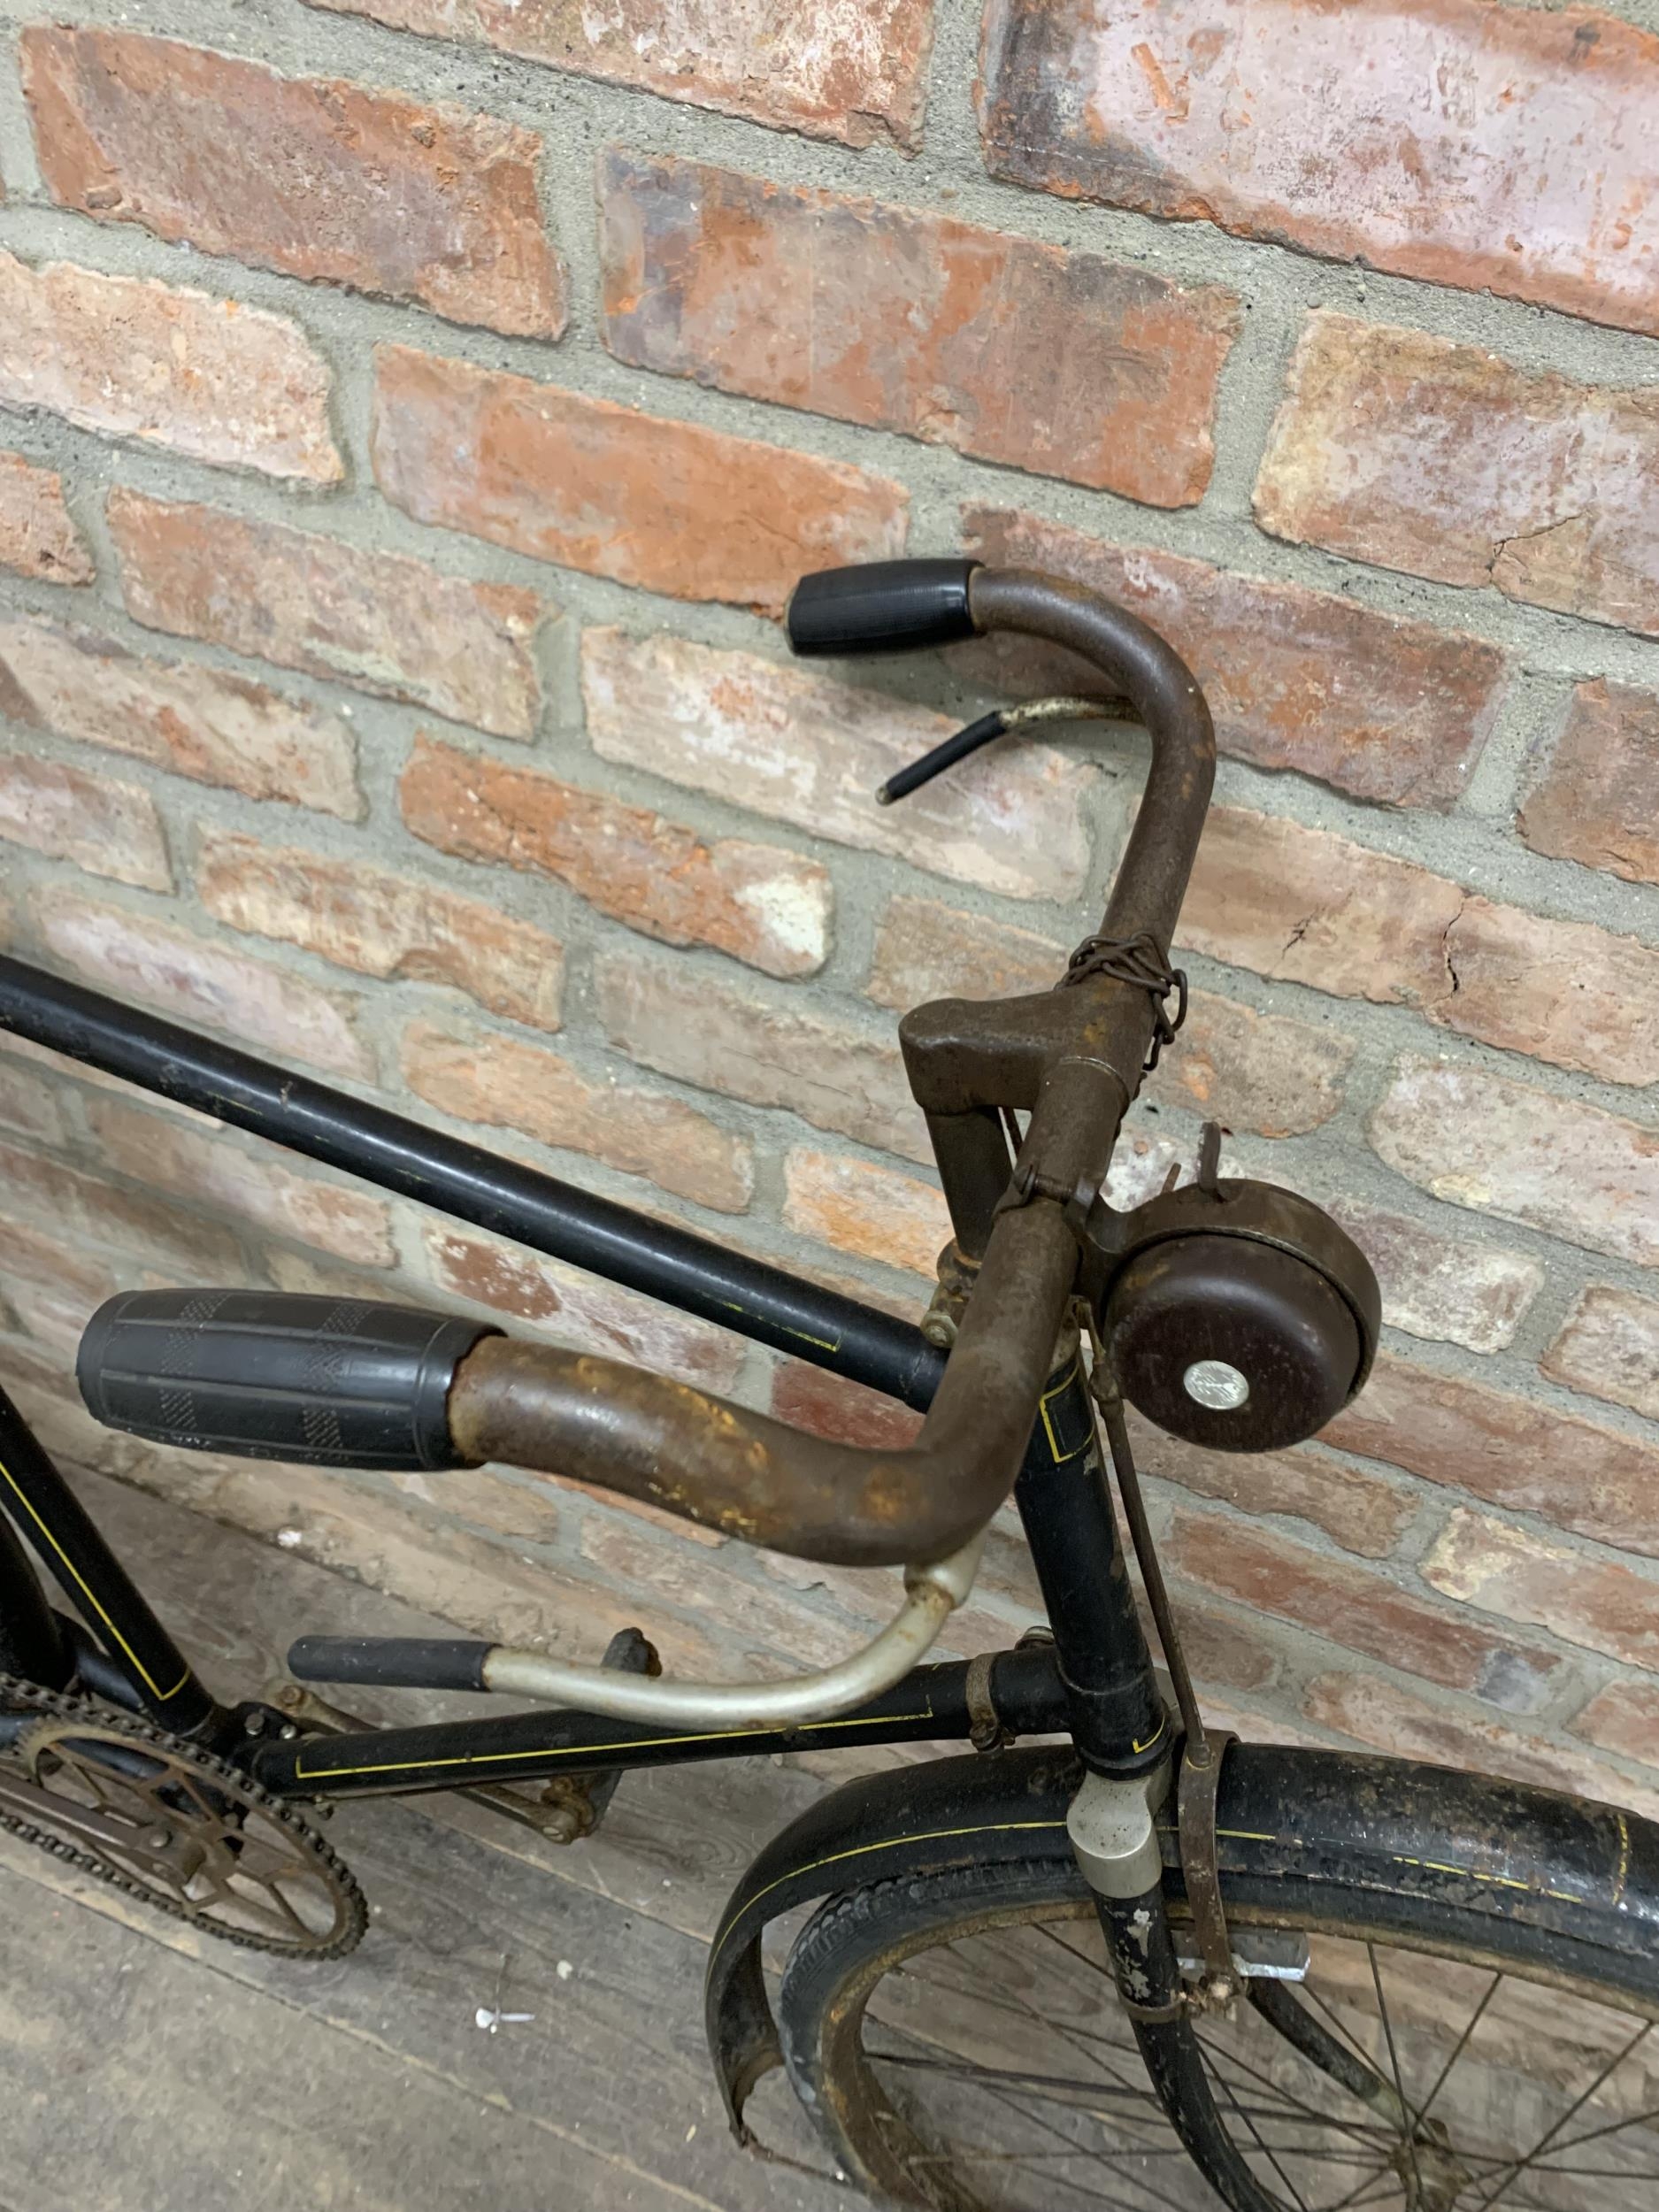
(881,607)
(391,1663)
(336,1382)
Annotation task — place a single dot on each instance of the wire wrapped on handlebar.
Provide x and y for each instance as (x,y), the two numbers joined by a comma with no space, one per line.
(1137,960)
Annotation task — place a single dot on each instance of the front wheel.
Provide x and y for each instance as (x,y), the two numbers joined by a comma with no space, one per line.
(957,2039)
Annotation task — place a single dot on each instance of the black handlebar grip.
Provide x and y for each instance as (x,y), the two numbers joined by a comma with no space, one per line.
(335,1382)
(881,607)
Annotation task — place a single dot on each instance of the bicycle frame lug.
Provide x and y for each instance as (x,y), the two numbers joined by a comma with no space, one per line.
(1113,1837)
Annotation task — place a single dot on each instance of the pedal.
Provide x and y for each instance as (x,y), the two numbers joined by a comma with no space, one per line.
(630,1651)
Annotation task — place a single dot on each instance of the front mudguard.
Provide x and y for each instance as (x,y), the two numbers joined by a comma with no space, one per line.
(1423,1841)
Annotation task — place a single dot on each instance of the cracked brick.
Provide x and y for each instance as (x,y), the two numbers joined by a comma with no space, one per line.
(1311,907)
(1370,457)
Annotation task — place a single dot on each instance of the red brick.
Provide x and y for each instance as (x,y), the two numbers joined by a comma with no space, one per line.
(1309,907)
(1445,1289)
(1623,1718)
(107,828)
(1392,712)
(846,1412)
(202,723)
(1259,1072)
(1363,1513)
(313,1277)
(308,175)
(390,625)
(366,918)
(758,902)
(1511,1452)
(31,1102)
(56,1289)
(1371,456)
(254,1184)
(1387,1718)
(853,70)
(519,1507)
(722,1039)
(806,749)
(1608,1345)
(1594,1603)
(194,980)
(747,1618)
(1597,799)
(925,950)
(1502,148)
(1065,364)
(132,358)
(669,506)
(1352,1607)
(872,1211)
(506,1084)
(70,1203)
(1587,1177)
(38,534)
(580,1311)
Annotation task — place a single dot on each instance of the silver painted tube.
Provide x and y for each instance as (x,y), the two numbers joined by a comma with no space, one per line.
(932,1595)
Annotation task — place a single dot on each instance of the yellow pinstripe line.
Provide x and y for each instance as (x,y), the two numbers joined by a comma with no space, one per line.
(88,1594)
(587,1750)
(863,1850)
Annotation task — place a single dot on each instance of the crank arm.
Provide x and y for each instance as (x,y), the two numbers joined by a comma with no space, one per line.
(27,1802)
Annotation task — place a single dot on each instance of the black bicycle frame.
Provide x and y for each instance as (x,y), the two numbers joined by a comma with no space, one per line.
(1095,1682)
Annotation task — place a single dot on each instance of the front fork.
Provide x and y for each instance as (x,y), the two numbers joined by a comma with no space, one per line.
(1113,1831)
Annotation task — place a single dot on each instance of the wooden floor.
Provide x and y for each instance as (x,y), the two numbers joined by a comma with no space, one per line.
(147,2069)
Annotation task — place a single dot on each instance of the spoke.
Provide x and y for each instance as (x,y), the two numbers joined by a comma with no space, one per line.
(1598,2173)
(1096,2195)
(1595,2135)
(966,2070)
(1518,2166)
(1394,2060)
(1384,2174)
(1386,2181)
(1226,2089)
(1315,2116)
(1021,2009)
(1095,1965)
(1457,2051)
(1347,2034)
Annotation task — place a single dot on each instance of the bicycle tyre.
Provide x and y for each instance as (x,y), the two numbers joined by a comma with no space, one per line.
(859,1939)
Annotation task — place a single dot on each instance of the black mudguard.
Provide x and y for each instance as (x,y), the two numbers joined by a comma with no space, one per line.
(1420,1841)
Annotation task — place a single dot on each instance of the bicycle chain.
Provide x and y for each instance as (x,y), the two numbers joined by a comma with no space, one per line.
(335,1876)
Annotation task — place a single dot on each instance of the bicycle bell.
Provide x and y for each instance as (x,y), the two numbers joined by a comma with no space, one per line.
(1238,1315)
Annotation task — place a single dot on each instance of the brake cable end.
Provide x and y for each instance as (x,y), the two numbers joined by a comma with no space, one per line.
(996,724)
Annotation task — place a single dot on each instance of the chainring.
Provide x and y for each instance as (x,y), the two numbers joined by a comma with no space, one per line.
(183,1830)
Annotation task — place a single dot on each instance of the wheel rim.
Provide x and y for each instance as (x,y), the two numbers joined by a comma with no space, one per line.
(996,2071)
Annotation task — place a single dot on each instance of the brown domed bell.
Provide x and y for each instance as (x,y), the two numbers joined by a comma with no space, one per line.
(1240,1316)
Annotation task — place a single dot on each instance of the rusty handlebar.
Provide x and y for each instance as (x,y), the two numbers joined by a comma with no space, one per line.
(1072,1058)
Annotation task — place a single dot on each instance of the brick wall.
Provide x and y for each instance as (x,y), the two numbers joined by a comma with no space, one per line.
(415,412)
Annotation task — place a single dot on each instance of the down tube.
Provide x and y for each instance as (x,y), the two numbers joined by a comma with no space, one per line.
(933,1704)
(41,1503)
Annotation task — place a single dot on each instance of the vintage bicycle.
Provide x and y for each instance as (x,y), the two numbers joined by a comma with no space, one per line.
(1127,1959)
